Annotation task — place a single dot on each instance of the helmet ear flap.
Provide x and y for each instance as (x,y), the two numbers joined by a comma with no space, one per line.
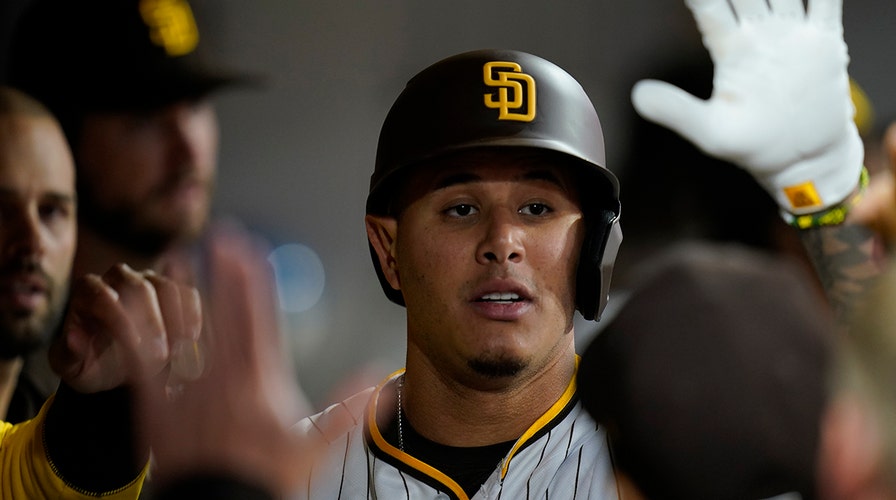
(603,235)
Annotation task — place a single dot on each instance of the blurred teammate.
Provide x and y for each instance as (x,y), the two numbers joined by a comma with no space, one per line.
(858,445)
(117,329)
(132,88)
(38,234)
(711,378)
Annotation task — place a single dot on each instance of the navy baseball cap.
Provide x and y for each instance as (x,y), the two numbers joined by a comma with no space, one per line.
(109,55)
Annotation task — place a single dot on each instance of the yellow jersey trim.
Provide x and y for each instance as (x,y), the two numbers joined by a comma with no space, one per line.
(396,453)
(440,476)
(546,418)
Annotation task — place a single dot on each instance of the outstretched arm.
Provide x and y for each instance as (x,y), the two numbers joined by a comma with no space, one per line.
(781,109)
(228,434)
(847,258)
(119,329)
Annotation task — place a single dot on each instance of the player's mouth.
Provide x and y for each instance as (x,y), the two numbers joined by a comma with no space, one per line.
(500,297)
(24,292)
(185,190)
(502,301)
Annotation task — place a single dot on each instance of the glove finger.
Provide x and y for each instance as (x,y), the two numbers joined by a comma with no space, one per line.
(714,18)
(827,13)
(671,107)
(750,10)
(787,8)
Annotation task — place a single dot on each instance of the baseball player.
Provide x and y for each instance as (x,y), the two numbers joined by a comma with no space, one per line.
(489,184)
(492,217)
(118,328)
(37,236)
(133,89)
(692,403)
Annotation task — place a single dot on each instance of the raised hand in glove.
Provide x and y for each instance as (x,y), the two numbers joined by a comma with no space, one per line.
(780,106)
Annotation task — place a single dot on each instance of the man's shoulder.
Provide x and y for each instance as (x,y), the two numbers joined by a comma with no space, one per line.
(337,419)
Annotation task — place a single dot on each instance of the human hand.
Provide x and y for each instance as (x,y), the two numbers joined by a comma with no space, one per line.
(877,208)
(235,420)
(123,326)
(780,106)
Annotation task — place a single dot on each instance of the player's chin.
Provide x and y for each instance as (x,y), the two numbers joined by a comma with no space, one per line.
(181,225)
(497,366)
(22,335)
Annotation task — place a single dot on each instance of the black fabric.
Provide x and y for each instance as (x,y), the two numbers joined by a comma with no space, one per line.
(26,401)
(469,467)
(35,384)
(88,433)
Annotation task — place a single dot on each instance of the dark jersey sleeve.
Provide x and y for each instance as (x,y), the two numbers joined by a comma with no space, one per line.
(86,433)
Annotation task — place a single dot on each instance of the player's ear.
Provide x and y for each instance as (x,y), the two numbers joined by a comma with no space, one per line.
(381,232)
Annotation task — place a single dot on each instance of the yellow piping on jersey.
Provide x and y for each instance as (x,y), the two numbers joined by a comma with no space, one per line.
(431,471)
(549,415)
(400,455)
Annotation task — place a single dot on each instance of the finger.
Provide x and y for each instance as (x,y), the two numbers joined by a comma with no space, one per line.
(750,10)
(169,298)
(235,319)
(90,296)
(192,312)
(181,309)
(242,283)
(77,346)
(139,303)
(827,13)
(180,312)
(788,8)
(714,18)
(242,260)
(672,108)
(190,358)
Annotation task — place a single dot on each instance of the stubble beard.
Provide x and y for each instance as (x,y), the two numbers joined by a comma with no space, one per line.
(496,367)
(128,227)
(22,334)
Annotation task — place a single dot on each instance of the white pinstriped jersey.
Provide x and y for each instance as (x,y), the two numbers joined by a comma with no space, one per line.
(563,455)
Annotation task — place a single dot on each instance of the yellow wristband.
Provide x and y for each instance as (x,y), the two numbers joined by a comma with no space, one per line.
(831,216)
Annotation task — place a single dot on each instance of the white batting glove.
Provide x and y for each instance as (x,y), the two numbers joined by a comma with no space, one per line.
(780,106)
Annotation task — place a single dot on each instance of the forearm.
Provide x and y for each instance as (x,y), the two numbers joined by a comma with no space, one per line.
(847,257)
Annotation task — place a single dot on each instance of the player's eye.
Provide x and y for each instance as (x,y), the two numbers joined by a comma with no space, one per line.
(53,211)
(535,209)
(461,210)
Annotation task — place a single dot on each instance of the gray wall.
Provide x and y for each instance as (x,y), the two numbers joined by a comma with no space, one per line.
(297,153)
